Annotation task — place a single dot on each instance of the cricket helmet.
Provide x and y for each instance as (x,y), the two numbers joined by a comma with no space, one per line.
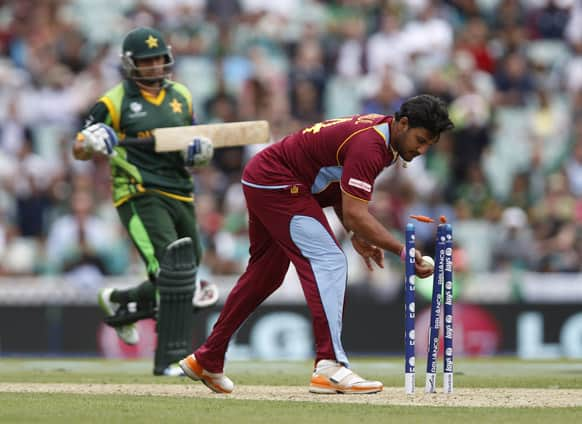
(144,43)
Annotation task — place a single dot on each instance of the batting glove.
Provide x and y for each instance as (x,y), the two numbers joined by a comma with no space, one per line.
(199,152)
(99,138)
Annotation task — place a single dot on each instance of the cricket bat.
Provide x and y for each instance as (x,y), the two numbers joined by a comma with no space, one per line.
(172,139)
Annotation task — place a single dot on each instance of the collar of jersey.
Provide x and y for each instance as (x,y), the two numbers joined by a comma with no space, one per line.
(156,100)
(384,130)
(132,89)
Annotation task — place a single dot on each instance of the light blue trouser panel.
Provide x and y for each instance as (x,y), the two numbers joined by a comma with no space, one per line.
(330,270)
(325,177)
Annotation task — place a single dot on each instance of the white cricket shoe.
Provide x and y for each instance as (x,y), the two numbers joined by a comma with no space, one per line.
(205,295)
(174,370)
(331,377)
(127,333)
(217,382)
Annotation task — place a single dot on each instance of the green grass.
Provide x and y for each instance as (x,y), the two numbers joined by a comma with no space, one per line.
(490,372)
(59,408)
(106,408)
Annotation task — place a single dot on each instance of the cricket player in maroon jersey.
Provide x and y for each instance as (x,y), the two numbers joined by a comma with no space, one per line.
(286,186)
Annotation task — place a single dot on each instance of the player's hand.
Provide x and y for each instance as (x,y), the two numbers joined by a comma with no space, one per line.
(98,138)
(199,152)
(368,252)
(422,269)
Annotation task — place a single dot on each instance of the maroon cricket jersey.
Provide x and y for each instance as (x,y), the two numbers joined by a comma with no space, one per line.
(345,154)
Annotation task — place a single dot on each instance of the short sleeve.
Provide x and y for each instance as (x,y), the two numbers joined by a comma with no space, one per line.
(365,156)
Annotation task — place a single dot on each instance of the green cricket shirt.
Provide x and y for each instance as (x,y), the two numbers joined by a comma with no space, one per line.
(134,113)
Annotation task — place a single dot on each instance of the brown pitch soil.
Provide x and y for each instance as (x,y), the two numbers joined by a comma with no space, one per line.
(462,397)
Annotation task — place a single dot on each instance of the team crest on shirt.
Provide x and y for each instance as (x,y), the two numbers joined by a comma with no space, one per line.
(360,184)
(136,110)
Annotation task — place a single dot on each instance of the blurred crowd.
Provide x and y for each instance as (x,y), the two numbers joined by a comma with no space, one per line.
(509,177)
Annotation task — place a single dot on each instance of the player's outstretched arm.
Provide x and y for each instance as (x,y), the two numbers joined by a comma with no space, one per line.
(358,219)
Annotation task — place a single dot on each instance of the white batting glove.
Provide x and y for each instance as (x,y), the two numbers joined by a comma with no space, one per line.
(99,138)
(199,152)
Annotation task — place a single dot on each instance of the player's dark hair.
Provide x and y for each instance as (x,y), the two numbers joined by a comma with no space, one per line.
(426,111)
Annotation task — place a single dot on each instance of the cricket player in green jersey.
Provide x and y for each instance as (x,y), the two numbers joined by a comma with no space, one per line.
(153,194)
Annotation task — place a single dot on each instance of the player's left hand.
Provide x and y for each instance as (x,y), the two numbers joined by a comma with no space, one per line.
(199,152)
(368,252)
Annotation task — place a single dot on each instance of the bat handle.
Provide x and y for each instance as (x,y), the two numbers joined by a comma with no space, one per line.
(142,143)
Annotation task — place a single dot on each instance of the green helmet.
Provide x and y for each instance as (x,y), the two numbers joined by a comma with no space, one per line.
(144,43)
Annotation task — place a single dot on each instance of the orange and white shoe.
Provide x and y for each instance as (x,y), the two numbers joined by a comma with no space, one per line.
(331,377)
(217,382)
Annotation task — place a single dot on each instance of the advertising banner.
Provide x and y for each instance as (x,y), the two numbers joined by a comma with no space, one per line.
(285,331)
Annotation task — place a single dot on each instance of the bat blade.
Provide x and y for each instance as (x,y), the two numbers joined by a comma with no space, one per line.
(222,135)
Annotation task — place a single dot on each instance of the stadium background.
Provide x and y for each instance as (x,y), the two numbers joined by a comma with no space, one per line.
(509,177)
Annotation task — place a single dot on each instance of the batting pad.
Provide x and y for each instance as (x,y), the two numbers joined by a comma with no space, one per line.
(176,284)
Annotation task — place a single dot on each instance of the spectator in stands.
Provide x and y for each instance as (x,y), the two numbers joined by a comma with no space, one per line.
(513,81)
(31,186)
(307,83)
(548,21)
(475,194)
(385,98)
(81,239)
(474,39)
(513,244)
(555,227)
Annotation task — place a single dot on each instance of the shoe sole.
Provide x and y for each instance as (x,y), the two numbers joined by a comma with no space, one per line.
(323,387)
(127,342)
(320,390)
(193,370)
